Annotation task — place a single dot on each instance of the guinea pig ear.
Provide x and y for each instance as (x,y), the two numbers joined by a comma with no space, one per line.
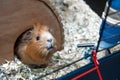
(27,35)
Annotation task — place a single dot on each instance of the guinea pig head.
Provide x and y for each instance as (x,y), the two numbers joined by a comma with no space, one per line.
(42,44)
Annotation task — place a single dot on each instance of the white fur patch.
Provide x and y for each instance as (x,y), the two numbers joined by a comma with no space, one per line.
(48,36)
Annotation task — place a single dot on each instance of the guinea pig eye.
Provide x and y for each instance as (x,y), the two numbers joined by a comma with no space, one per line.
(37,38)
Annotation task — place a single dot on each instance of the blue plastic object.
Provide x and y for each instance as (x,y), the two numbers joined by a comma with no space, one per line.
(111,32)
(109,68)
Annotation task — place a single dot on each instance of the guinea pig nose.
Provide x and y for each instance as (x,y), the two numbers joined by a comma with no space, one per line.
(49,40)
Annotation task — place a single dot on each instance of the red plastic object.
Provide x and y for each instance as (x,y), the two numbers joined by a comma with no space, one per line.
(96,63)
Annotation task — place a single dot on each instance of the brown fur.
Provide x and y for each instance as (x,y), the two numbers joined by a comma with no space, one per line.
(32,52)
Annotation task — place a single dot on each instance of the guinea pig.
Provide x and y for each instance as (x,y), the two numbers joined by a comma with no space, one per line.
(36,46)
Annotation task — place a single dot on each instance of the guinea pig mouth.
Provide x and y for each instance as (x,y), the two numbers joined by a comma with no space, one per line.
(50,47)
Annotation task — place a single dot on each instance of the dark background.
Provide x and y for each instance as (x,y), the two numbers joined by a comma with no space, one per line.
(97,5)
